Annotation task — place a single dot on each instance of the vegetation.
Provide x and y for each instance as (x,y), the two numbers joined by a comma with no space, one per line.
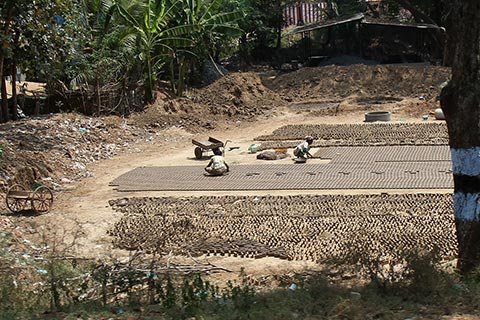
(33,38)
(49,281)
(96,46)
(91,45)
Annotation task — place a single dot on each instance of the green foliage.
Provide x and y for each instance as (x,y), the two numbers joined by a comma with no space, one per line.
(19,296)
(35,40)
(170,297)
(261,25)
(114,42)
(215,29)
(417,272)
(316,296)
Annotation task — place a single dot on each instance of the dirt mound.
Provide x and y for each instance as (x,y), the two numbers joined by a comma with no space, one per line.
(240,94)
(235,97)
(57,150)
(340,82)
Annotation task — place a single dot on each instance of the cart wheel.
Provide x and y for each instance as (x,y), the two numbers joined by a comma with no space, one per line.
(198,153)
(13,203)
(42,199)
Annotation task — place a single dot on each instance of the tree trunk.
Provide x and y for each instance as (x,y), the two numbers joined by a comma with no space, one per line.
(2,116)
(460,101)
(14,79)
(5,117)
(182,71)
(99,98)
(279,9)
(14,92)
(3,44)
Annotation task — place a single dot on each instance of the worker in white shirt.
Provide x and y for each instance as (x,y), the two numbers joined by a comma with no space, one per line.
(302,151)
(217,165)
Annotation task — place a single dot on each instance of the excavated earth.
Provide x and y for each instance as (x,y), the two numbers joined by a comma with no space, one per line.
(78,156)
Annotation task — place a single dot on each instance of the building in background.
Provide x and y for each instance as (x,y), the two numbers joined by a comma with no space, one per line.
(301,13)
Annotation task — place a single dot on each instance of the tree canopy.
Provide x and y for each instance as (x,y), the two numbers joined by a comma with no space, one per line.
(89,44)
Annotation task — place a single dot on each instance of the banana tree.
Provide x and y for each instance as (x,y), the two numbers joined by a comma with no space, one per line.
(151,30)
(211,27)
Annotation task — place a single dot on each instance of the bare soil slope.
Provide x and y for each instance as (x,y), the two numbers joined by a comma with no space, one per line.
(340,82)
(236,97)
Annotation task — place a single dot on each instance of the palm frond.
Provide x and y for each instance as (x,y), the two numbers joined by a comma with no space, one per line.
(125,14)
(176,42)
(214,7)
(224,18)
(179,30)
(81,79)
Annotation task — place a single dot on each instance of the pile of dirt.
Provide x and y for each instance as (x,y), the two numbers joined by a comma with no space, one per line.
(57,150)
(235,97)
(340,82)
(239,94)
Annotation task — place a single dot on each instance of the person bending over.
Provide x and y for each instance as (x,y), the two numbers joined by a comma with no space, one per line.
(217,165)
(302,151)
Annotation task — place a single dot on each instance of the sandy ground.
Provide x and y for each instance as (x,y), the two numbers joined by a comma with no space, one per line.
(86,205)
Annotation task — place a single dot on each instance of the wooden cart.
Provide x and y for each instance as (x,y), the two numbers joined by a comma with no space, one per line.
(204,146)
(18,199)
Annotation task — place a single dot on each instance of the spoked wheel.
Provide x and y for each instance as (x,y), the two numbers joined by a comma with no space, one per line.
(42,199)
(16,198)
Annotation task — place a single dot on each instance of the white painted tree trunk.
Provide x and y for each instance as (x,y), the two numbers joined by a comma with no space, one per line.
(460,101)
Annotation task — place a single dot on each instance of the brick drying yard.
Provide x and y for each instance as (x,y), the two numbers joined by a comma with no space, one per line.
(394,156)
(134,184)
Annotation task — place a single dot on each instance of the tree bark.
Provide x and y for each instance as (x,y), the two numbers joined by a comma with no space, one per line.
(5,117)
(279,8)
(99,98)
(14,92)
(14,79)
(460,101)
(2,61)
(4,44)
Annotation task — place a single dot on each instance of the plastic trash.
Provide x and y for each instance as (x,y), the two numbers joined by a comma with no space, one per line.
(439,114)
(253,148)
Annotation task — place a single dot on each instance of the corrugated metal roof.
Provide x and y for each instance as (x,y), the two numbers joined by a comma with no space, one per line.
(360,17)
(401,24)
(325,24)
